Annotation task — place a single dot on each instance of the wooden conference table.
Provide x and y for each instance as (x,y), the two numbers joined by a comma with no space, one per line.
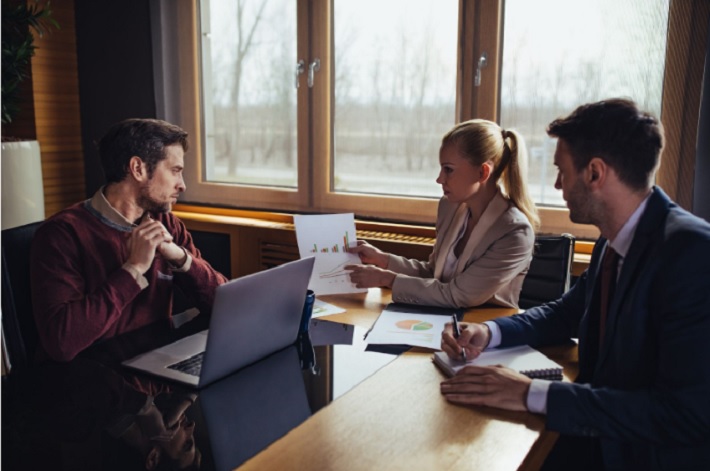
(276,413)
(397,418)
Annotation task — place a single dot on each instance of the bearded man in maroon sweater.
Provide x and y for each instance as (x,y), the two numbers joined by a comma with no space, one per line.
(107,265)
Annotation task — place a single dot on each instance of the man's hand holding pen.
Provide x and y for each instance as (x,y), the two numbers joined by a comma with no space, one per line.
(471,341)
(493,386)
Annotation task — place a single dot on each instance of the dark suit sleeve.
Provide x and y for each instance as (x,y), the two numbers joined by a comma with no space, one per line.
(549,324)
(673,407)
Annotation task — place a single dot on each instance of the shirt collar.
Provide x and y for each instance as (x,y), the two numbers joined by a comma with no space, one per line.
(101,205)
(623,239)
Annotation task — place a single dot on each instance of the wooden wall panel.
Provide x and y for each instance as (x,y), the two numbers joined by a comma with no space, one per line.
(56,108)
(685,63)
(23,124)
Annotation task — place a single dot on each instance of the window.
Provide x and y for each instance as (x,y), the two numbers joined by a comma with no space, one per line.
(552,62)
(395,94)
(320,106)
(248,52)
(339,105)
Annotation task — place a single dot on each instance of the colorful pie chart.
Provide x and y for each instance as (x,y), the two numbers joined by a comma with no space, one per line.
(413,324)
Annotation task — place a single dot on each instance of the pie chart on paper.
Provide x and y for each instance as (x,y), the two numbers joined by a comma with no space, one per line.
(413,324)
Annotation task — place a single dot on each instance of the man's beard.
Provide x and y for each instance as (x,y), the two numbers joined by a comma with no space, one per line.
(578,203)
(583,209)
(151,205)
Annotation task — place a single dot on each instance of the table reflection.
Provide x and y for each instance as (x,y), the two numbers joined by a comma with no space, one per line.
(247,411)
(92,413)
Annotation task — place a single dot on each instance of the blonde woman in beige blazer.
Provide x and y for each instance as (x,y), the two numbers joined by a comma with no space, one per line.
(485,227)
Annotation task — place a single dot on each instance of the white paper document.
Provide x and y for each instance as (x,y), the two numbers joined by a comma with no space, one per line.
(321,308)
(323,332)
(327,236)
(403,328)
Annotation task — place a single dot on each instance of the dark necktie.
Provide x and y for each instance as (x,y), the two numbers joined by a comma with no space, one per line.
(607,279)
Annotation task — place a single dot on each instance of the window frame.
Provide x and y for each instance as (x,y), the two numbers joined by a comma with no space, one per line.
(248,196)
(480,29)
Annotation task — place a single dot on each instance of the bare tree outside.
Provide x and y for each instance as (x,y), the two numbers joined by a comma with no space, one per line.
(399,95)
(253,96)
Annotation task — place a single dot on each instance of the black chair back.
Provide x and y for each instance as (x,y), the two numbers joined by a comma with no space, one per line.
(18,324)
(550,270)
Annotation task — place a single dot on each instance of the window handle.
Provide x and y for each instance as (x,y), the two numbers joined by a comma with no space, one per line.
(300,68)
(482,63)
(313,67)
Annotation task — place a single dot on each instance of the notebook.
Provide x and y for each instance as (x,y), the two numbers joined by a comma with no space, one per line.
(523,359)
(252,316)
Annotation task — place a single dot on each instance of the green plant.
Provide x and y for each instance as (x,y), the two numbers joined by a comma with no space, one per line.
(18,47)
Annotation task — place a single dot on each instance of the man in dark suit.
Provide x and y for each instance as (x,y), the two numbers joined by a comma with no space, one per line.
(642,397)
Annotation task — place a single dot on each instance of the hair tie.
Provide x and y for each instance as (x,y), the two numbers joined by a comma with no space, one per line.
(505,157)
(506,135)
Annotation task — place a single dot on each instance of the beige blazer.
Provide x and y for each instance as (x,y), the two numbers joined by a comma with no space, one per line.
(491,267)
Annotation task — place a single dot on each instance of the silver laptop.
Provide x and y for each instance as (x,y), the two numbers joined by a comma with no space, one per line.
(252,316)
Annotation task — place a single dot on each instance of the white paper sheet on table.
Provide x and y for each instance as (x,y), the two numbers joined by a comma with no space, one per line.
(321,308)
(327,236)
(403,328)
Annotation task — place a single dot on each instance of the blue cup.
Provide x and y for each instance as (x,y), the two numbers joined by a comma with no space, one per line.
(307,311)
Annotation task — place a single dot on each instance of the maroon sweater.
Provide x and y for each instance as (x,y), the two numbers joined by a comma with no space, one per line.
(80,293)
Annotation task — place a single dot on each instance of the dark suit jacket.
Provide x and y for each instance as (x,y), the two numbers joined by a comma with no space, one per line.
(645,393)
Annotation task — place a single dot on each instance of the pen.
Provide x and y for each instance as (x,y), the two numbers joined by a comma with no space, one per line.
(457,332)
(372,327)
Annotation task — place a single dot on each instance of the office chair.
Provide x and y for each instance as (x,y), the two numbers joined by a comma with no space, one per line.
(18,324)
(549,274)
(18,386)
(215,249)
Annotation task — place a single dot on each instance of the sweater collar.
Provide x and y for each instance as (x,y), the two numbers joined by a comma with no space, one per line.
(100,205)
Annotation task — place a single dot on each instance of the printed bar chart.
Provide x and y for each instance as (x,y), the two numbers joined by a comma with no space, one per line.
(328,237)
(334,248)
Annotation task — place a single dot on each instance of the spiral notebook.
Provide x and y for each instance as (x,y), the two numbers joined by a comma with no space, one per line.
(523,359)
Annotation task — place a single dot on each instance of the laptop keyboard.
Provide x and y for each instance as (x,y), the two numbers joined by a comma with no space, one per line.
(190,366)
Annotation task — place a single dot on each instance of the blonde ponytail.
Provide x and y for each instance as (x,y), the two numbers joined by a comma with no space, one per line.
(513,176)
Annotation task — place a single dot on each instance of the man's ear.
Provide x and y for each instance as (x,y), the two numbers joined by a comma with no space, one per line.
(597,172)
(137,168)
(153,458)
